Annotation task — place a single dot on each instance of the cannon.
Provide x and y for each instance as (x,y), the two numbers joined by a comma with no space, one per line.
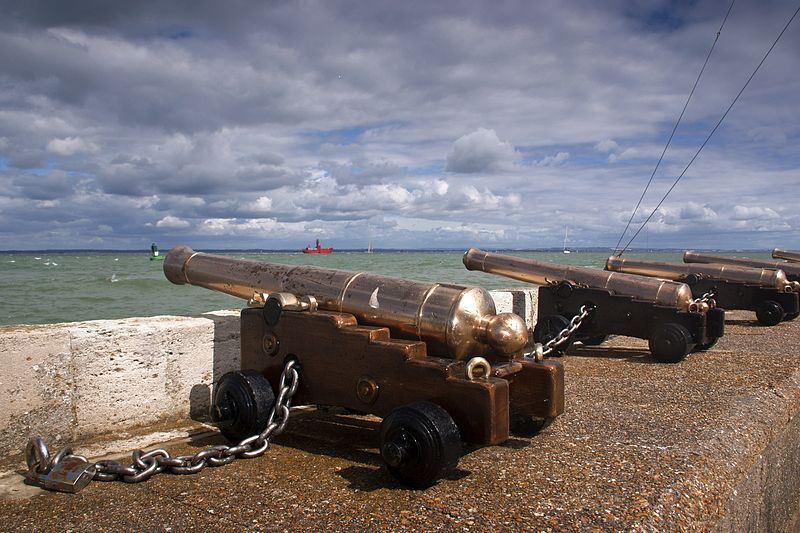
(662,312)
(792,271)
(435,361)
(788,255)
(767,292)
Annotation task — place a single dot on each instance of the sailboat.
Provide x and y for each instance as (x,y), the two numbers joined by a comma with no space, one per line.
(369,248)
(566,230)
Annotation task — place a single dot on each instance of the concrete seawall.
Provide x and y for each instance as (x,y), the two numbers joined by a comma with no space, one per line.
(70,382)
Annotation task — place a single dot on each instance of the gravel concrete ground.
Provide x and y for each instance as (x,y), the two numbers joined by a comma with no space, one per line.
(709,443)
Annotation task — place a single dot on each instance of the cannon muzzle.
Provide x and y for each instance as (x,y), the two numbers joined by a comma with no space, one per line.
(788,255)
(660,292)
(791,270)
(453,320)
(676,271)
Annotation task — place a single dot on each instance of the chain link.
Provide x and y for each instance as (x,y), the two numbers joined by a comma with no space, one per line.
(543,350)
(704,298)
(144,465)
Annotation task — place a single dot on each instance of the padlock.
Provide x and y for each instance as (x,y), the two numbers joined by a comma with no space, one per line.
(70,474)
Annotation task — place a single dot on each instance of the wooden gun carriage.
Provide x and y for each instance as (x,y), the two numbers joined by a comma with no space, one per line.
(663,312)
(434,360)
(767,292)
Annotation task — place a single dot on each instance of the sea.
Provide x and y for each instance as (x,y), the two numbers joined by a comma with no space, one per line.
(68,286)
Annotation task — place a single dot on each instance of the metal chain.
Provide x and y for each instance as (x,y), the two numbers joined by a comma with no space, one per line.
(146,464)
(704,298)
(540,351)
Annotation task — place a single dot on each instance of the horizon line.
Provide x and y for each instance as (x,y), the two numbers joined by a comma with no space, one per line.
(379,250)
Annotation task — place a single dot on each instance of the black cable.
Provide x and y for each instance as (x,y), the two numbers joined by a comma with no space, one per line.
(674,128)
(712,131)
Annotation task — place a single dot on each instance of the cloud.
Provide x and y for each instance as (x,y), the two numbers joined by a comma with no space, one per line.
(263,203)
(479,151)
(52,185)
(697,212)
(361,170)
(741,212)
(606,145)
(553,160)
(247,227)
(772,135)
(171,222)
(440,187)
(205,163)
(628,153)
(71,145)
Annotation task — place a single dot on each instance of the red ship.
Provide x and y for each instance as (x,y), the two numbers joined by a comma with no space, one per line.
(318,250)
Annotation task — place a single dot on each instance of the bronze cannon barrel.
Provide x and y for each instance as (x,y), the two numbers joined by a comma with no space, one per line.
(453,320)
(792,271)
(666,293)
(788,255)
(676,271)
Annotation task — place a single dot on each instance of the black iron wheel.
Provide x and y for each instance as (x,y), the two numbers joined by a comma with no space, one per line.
(548,328)
(419,443)
(670,343)
(791,316)
(769,313)
(242,403)
(594,341)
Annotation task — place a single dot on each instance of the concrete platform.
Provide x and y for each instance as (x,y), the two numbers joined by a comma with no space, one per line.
(707,444)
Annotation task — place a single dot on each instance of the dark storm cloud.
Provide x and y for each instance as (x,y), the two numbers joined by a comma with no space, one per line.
(55,184)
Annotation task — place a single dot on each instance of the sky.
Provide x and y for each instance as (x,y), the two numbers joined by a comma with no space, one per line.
(414,124)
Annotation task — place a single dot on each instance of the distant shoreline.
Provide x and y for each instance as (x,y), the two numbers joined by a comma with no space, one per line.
(382,250)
